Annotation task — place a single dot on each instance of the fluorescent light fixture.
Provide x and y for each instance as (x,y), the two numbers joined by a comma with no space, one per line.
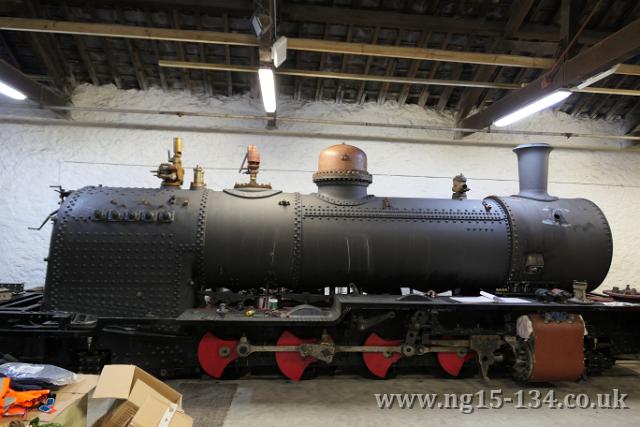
(534,107)
(11,92)
(279,51)
(268,89)
(598,77)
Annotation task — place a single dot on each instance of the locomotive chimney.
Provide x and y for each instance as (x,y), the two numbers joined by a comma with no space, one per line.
(533,171)
(342,172)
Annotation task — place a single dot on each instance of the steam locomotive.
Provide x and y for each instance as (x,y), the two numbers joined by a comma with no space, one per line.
(248,278)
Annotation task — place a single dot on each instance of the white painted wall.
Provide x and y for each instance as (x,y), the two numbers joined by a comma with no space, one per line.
(37,154)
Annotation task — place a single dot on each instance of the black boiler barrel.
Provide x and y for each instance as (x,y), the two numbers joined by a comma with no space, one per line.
(380,244)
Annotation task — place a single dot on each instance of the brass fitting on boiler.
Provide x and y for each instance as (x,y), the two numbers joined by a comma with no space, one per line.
(198,178)
(251,165)
(172,172)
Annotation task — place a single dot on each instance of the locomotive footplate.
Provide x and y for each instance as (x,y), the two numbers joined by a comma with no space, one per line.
(343,304)
(382,333)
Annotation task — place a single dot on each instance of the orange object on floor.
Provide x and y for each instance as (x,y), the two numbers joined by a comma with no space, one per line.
(17,402)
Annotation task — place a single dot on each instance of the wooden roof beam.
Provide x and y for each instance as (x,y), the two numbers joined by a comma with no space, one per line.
(413,68)
(389,71)
(108,51)
(9,51)
(388,19)
(425,92)
(379,78)
(615,49)
(570,12)
(632,120)
(343,68)
(361,96)
(311,45)
(175,22)
(517,14)
(33,90)
(82,50)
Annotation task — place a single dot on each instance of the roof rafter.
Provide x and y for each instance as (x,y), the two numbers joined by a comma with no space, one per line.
(612,50)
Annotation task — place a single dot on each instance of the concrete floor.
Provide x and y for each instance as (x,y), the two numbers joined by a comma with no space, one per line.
(350,401)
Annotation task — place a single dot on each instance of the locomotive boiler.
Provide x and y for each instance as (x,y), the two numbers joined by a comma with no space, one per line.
(240,280)
(128,251)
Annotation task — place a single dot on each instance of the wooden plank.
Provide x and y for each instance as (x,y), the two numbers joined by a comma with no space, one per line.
(313,45)
(126,31)
(628,70)
(406,52)
(334,75)
(241,8)
(377,78)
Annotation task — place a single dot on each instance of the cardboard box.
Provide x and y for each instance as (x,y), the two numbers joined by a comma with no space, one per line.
(71,405)
(147,400)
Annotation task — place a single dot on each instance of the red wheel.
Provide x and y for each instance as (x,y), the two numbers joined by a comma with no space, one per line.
(290,363)
(379,363)
(451,362)
(214,354)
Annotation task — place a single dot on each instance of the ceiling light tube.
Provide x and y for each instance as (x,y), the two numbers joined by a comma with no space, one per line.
(534,107)
(591,80)
(7,90)
(268,89)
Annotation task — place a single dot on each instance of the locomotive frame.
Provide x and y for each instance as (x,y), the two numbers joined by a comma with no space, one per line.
(119,293)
